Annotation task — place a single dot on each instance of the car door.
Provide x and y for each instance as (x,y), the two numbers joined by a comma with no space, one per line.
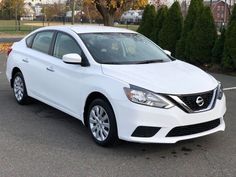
(66,80)
(36,62)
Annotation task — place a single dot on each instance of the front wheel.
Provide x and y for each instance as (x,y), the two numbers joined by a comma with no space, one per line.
(102,123)
(19,89)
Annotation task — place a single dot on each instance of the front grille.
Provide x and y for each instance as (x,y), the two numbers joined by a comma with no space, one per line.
(193,129)
(191,100)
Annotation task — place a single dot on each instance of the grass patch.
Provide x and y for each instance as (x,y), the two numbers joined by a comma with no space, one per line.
(7,23)
(10,25)
(130,27)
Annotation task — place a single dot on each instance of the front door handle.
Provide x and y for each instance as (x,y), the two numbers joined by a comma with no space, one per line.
(25,60)
(50,69)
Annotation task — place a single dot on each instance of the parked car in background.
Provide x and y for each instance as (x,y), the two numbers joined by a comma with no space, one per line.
(118,83)
(131,17)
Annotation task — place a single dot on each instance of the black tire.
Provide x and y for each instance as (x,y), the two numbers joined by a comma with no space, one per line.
(18,81)
(112,136)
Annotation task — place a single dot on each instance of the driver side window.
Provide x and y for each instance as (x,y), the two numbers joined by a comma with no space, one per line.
(65,44)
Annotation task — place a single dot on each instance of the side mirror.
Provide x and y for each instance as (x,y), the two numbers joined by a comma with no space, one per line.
(167,52)
(72,58)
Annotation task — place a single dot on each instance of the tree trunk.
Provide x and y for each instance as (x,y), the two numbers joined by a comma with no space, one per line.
(108,15)
(73,13)
(108,19)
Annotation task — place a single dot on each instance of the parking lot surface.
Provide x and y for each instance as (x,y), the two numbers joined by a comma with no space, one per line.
(40,141)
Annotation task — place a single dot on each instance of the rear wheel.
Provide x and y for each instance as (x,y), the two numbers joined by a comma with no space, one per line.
(102,123)
(19,89)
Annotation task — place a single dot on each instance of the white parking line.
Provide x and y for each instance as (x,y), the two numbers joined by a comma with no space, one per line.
(229,88)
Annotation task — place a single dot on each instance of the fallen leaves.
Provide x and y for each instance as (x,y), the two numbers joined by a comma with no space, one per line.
(4,47)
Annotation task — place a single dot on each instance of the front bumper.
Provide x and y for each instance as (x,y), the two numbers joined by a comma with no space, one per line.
(129,116)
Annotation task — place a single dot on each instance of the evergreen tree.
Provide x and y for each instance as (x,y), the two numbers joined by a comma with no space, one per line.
(233,15)
(144,18)
(218,50)
(146,25)
(158,22)
(229,61)
(194,12)
(172,27)
(202,38)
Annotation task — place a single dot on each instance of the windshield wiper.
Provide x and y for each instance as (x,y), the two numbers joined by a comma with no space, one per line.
(112,63)
(133,62)
(150,61)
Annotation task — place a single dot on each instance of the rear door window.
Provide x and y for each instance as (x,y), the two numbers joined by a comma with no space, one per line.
(42,41)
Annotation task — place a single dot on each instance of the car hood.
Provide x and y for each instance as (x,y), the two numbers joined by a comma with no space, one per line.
(174,77)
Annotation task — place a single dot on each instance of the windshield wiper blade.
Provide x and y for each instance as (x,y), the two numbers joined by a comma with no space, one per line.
(150,61)
(132,62)
(112,63)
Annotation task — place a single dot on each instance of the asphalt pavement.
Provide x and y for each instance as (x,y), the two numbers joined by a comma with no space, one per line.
(39,141)
(10,39)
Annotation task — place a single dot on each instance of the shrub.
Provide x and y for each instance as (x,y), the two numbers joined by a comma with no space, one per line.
(195,9)
(172,27)
(144,18)
(218,50)
(233,16)
(146,26)
(202,38)
(229,60)
(158,22)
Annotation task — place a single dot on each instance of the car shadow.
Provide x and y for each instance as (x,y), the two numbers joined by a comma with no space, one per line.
(72,134)
(43,125)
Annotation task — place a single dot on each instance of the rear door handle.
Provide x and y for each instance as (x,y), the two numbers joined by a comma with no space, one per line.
(50,69)
(25,60)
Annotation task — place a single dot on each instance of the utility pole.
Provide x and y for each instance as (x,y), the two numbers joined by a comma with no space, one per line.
(16,17)
(73,12)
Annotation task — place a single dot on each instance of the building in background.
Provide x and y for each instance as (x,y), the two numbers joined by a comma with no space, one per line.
(34,8)
(38,10)
(220,11)
(220,8)
(29,12)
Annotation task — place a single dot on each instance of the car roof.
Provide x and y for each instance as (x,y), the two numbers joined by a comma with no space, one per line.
(88,29)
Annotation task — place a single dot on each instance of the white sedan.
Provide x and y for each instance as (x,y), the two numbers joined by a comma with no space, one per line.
(117,82)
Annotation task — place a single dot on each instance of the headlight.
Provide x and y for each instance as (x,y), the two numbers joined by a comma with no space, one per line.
(145,97)
(220,92)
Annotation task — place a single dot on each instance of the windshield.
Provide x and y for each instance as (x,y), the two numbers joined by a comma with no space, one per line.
(122,48)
